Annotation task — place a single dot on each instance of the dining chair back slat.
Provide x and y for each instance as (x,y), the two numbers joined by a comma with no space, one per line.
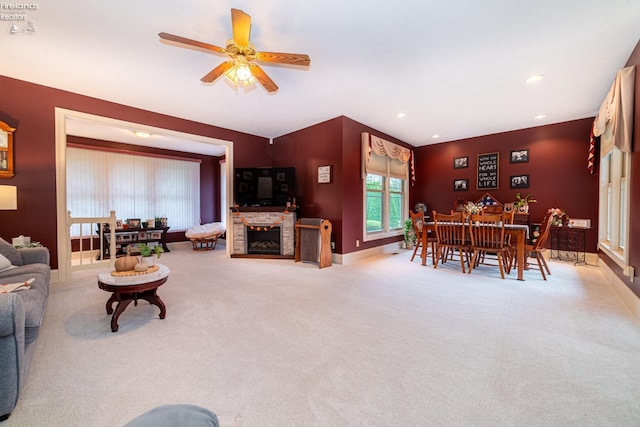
(450,236)
(487,236)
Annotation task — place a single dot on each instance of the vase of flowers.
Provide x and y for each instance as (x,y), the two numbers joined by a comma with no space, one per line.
(473,208)
(558,217)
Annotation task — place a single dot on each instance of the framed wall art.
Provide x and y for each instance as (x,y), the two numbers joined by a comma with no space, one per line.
(519,181)
(460,162)
(519,156)
(324,174)
(460,184)
(488,172)
(6,150)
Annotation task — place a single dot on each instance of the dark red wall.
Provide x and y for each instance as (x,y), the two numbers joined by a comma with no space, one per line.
(30,109)
(557,169)
(337,143)
(306,149)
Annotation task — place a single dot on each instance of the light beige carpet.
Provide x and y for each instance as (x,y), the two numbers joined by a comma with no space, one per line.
(380,342)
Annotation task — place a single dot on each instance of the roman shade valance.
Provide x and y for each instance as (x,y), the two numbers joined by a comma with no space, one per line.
(614,122)
(375,152)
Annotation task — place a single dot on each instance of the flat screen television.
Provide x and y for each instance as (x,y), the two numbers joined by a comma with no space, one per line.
(264,186)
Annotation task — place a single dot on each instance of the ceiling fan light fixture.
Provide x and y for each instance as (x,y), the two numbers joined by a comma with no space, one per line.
(240,75)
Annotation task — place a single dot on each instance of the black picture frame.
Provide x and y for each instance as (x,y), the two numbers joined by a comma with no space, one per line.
(519,156)
(488,171)
(519,181)
(460,162)
(460,184)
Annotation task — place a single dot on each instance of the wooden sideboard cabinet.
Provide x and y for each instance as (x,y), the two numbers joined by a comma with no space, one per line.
(134,236)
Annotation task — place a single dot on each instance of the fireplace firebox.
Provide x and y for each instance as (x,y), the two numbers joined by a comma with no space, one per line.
(264,242)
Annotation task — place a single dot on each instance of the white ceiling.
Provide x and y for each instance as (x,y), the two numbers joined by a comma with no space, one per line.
(457,68)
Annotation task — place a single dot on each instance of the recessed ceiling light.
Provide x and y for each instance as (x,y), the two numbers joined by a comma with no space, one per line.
(535,78)
(141,134)
(540,116)
(435,136)
(401,115)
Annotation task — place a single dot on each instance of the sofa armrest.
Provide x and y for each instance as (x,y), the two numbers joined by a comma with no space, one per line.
(35,255)
(11,315)
(12,332)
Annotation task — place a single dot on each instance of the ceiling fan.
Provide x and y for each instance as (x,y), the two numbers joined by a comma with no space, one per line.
(241,68)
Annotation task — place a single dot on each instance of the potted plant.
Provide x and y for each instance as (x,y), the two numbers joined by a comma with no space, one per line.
(521,204)
(409,234)
(146,253)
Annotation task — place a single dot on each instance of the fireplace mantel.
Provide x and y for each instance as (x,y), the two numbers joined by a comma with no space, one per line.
(262,209)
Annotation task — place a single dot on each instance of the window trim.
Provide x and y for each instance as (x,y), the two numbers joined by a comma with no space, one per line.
(613,172)
(386,232)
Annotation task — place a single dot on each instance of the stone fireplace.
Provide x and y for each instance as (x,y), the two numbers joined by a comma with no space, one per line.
(263,232)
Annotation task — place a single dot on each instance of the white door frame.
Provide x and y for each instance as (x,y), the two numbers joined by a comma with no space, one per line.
(61,117)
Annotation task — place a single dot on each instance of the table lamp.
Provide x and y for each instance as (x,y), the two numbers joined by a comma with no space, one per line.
(8,197)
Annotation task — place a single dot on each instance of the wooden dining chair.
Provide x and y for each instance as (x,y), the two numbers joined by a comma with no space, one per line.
(450,237)
(538,248)
(487,236)
(417,219)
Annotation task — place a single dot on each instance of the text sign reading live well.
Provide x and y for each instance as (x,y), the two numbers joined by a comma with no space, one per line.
(488,171)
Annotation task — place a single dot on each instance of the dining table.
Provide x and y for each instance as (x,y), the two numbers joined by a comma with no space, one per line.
(519,231)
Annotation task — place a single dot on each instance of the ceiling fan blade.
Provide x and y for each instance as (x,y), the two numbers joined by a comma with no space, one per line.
(262,78)
(190,42)
(217,72)
(241,23)
(284,58)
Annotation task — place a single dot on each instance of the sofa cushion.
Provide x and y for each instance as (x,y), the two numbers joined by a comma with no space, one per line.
(10,252)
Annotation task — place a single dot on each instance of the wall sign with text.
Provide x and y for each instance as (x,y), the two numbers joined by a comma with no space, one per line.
(488,171)
(324,174)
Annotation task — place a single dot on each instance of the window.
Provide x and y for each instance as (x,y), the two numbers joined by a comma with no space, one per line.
(386,198)
(134,186)
(614,205)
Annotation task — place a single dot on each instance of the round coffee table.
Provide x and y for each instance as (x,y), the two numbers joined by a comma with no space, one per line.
(127,289)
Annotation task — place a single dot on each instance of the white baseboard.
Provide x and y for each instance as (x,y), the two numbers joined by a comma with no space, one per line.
(365,253)
(630,300)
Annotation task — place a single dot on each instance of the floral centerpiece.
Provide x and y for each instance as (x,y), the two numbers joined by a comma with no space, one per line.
(473,208)
(558,216)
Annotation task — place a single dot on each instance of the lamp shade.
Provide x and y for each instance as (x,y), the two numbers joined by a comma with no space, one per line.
(8,197)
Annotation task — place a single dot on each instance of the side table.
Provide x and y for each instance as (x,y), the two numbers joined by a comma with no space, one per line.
(568,244)
(127,289)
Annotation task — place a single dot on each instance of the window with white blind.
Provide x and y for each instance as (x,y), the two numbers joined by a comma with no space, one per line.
(134,186)
(614,205)
(386,197)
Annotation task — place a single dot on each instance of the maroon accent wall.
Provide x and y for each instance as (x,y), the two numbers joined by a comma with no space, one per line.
(336,143)
(30,108)
(557,169)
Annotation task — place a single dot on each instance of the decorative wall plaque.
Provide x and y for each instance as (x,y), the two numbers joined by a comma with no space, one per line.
(488,171)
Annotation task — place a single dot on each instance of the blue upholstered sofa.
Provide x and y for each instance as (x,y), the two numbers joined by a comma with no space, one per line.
(21,315)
